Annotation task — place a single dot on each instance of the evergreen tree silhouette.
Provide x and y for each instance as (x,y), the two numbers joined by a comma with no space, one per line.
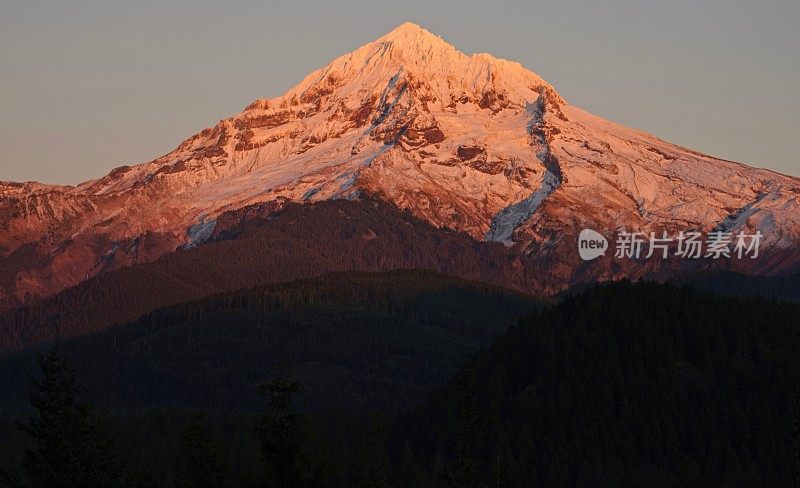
(283,438)
(70,445)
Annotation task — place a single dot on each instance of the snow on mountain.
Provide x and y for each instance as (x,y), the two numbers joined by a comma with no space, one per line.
(474,143)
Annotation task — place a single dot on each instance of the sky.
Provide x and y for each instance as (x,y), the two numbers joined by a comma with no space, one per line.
(86,86)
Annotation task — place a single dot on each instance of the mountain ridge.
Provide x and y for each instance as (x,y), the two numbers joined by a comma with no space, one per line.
(473,143)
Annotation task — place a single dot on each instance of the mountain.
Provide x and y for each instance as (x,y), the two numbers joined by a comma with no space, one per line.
(472,143)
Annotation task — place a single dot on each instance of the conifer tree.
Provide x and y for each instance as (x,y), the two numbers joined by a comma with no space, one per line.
(70,445)
(283,437)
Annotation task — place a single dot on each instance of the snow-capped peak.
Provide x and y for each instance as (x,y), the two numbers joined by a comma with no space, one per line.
(470,142)
(410,53)
(409,35)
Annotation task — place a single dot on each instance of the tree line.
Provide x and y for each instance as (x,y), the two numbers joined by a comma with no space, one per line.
(624,384)
(69,443)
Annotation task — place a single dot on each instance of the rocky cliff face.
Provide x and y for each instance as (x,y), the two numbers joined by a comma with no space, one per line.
(473,143)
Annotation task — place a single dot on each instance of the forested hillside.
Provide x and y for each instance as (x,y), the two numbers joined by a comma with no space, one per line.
(623,385)
(254,248)
(260,245)
(355,341)
(363,347)
(369,380)
(779,288)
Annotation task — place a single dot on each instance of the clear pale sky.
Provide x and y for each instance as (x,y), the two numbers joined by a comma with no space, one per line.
(86,86)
